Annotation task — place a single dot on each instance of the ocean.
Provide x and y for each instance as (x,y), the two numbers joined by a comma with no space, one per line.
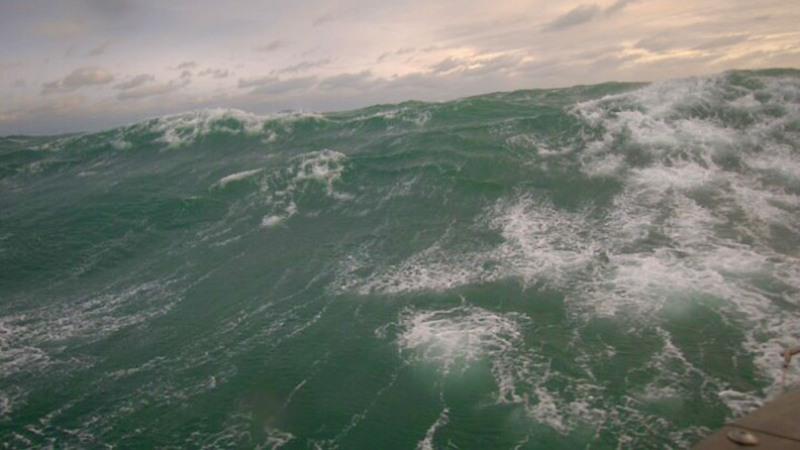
(597,267)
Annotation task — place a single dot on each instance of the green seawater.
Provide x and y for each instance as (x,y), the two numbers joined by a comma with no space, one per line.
(599,267)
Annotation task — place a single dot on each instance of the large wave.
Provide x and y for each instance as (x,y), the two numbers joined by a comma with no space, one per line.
(611,266)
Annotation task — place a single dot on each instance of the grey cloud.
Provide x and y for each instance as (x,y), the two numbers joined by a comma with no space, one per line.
(19,83)
(99,50)
(214,73)
(576,16)
(585,13)
(323,19)
(572,52)
(687,39)
(302,66)
(446,65)
(253,82)
(273,85)
(135,82)
(619,5)
(152,90)
(597,52)
(186,65)
(78,78)
(185,75)
(399,52)
(542,67)
(360,80)
(61,29)
(480,29)
(658,42)
(4,66)
(109,7)
(723,41)
(335,15)
(612,61)
(271,46)
(64,105)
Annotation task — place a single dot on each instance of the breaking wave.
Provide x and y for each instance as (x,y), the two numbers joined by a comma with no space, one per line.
(610,266)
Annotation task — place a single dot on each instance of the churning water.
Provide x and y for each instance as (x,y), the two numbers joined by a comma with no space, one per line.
(611,266)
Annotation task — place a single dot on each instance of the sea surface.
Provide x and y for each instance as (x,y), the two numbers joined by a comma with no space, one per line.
(599,267)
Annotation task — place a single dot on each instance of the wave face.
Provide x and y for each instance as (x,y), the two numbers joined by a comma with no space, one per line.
(612,266)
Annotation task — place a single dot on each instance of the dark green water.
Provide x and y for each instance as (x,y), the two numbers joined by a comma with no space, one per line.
(603,267)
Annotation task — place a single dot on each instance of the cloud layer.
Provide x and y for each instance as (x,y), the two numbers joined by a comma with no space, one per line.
(78,78)
(86,64)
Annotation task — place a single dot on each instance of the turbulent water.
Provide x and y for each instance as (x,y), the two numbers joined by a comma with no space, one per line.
(604,267)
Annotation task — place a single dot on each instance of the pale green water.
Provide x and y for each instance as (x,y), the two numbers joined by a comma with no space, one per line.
(602,267)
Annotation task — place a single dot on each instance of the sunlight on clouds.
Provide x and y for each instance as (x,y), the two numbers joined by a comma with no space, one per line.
(127,61)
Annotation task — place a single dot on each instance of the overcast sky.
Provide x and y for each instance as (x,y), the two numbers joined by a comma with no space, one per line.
(72,65)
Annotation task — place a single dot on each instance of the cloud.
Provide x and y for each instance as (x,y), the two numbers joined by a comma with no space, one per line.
(689,39)
(186,65)
(99,50)
(302,66)
(66,105)
(7,66)
(214,73)
(447,65)
(557,44)
(618,6)
(271,46)
(399,52)
(336,15)
(271,85)
(659,42)
(79,78)
(135,82)
(576,16)
(491,65)
(360,80)
(152,90)
(475,66)
(61,29)
(323,19)
(585,13)
(415,81)
(112,8)
(253,82)
(722,41)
